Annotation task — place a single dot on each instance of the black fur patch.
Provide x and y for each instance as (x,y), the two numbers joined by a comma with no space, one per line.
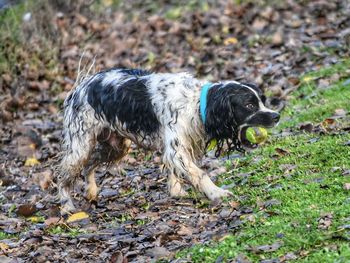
(130,103)
(220,121)
(226,111)
(135,72)
(258,90)
(265,119)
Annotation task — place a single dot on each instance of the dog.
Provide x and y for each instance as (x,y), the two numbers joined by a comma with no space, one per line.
(175,114)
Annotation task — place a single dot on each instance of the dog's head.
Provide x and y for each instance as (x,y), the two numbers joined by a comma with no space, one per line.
(232,107)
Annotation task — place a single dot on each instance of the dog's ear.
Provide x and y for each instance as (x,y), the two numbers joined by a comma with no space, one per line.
(220,123)
(220,119)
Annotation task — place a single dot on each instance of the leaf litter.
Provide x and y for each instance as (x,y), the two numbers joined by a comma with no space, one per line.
(135,220)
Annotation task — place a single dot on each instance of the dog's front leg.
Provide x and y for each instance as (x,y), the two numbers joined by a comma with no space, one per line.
(174,185)
(180,159)
(203,183)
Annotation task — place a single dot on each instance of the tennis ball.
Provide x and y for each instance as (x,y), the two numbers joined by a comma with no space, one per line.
(256,135)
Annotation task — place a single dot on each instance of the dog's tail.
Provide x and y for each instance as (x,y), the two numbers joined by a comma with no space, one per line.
(86,71)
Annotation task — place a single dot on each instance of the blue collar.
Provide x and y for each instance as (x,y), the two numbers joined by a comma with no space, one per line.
(203,100)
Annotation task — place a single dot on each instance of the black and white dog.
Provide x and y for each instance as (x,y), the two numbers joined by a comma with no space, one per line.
(173,113)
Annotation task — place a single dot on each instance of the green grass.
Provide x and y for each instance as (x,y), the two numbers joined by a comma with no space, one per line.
(10,34)
(65,230)
(4,235)
(313,104)
(15,53)
(306,183)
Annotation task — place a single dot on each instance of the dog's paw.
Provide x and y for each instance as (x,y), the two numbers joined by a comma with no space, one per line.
(92,193)
(178,192)
(218,194)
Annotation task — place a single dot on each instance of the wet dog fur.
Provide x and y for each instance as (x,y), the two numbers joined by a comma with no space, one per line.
(108,111)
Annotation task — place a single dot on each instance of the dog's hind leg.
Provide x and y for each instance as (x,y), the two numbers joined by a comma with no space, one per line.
(109,149)
(89,175)
(74,160)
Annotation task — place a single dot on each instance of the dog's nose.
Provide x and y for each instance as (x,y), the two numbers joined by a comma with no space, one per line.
(275,117)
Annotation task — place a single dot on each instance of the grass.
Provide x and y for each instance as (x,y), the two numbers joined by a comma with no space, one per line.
(65,230)
(4,235)
(10,24)
(305,182)
(15,53)
(312,104)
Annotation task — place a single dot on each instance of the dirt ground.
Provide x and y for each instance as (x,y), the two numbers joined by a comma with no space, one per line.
(135,220)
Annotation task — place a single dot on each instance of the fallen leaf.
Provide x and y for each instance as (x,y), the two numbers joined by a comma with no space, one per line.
(117,257)
(230,41)
(340,113)
(308,79)
(323,84)
(158,252)
(234,204)
(282,152)
(31,162)
(241,259)
(259,24)
(308,127)
(304,253)
(4,246)
(44,179)
(185,231)
(328,122)
(277,38)
(347,186)
(272,202)
(26,210)
(346,173)
(288,257)
(77,216)
(52,221)
(266,248)
(35,219)
(325,221)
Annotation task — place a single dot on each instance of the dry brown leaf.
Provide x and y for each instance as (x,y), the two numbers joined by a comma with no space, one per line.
(44,179)
(234,204)
(185,231)
(52,221)
(4,247)
(282,152)
(325,221)
(26,210)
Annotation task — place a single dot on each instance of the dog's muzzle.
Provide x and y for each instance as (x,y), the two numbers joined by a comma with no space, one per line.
(264,119)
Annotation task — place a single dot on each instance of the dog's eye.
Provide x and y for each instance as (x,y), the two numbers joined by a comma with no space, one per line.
(250,106)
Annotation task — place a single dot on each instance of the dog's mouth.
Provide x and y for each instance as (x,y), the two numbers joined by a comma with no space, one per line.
(243,139)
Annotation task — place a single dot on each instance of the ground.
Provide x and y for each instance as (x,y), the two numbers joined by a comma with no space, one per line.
(291,195)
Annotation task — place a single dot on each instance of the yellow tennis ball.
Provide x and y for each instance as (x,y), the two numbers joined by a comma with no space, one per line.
(256,135)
